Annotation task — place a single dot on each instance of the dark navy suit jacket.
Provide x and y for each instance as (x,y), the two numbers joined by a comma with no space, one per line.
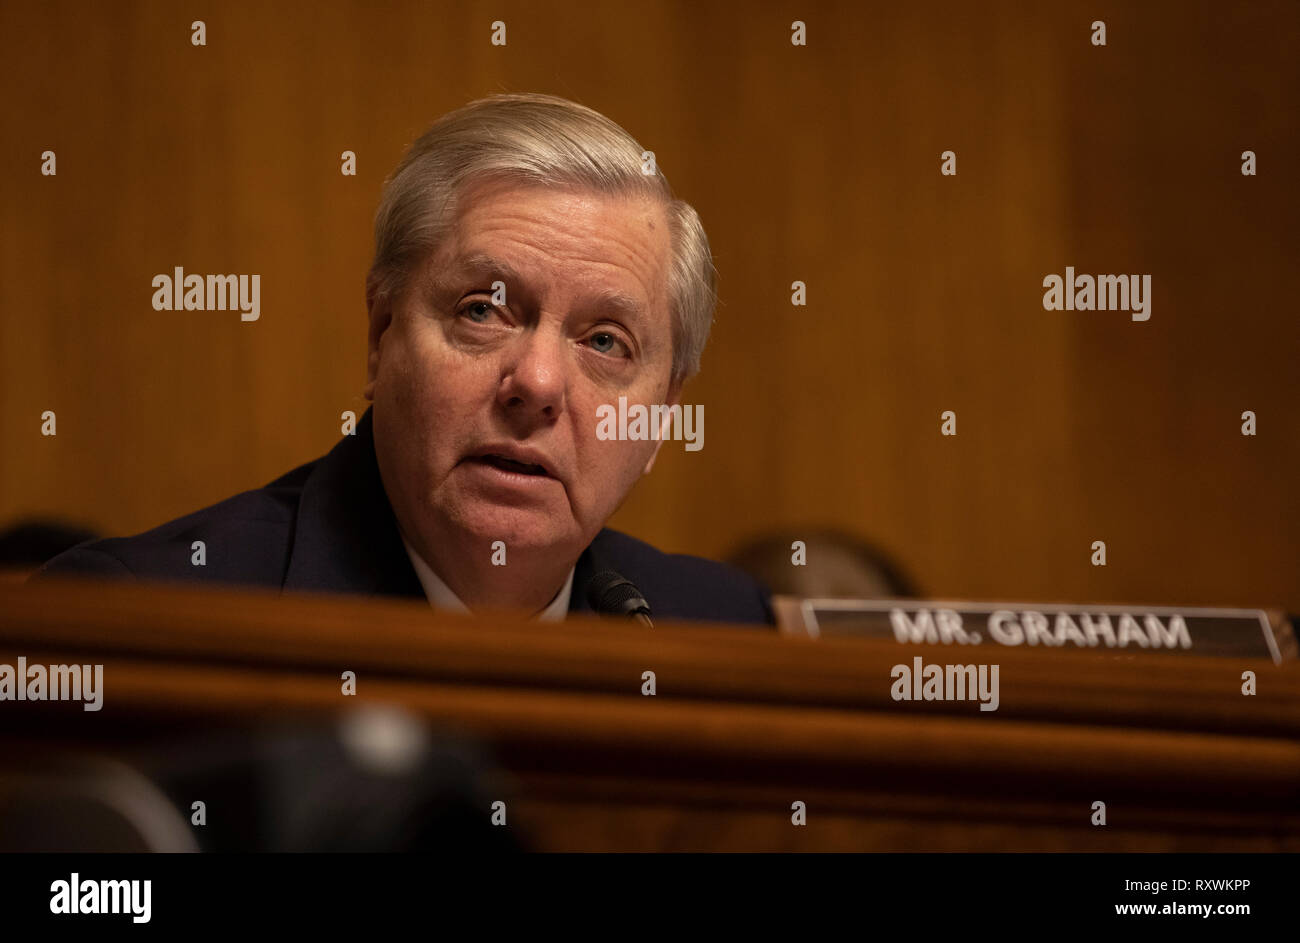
(328,526)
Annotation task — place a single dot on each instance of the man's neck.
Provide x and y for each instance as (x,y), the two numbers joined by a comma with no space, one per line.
(495,587)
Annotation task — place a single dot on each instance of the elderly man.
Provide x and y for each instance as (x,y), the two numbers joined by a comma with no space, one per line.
(527,272)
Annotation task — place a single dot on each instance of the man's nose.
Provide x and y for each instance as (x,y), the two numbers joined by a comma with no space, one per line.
(534,381)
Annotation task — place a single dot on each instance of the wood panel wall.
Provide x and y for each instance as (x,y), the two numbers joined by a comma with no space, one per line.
(819,164)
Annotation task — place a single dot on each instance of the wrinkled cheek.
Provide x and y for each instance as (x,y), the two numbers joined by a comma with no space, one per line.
(418,392)
(408,408)
(394,386)
(615,469)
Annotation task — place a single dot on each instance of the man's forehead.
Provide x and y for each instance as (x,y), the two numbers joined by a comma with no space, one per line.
(477,264)
(482,266)
(474,256)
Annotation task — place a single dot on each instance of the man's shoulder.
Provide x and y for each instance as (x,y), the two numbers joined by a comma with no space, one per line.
(680,586)
(245,539)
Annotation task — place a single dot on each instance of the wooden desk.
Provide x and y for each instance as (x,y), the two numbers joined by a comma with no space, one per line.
(744,722)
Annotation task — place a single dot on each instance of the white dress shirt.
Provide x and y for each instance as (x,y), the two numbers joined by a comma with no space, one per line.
(440,595)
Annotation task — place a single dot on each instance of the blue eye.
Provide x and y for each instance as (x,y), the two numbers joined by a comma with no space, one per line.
(470,310)
(597,342)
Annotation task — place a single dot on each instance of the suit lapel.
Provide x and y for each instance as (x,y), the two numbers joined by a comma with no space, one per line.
(583,571)
(345,538)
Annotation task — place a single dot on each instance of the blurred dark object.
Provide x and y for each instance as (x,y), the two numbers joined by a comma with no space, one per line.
(87,804)
(26,545)
(837,565)
(374,780)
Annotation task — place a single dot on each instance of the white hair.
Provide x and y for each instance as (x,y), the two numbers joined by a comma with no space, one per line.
(545,140)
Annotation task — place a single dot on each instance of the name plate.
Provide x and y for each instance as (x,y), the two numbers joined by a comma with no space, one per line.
(1247,633)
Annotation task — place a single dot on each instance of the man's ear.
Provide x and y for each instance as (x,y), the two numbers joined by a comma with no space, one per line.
(381,315)
(672,399)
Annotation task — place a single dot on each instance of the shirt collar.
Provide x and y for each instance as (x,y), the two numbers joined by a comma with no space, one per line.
(440,595)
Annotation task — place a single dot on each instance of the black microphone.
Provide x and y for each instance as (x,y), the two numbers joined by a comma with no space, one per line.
(610,593)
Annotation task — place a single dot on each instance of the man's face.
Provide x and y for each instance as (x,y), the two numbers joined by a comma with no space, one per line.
(462,384)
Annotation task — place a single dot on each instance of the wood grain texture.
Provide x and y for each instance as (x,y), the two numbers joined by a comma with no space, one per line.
(745,722)
(819,164)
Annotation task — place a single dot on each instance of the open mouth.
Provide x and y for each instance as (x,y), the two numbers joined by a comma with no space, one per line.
(510,465)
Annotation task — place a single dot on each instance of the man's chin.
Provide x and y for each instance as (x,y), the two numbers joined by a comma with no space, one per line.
(519,529)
